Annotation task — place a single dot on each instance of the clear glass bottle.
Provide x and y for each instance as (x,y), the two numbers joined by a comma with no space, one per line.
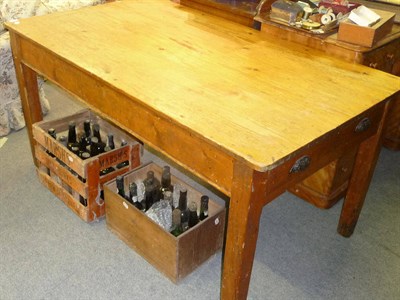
(176,228)
(168,197)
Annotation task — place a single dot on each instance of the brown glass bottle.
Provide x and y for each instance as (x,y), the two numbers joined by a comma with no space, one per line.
(152,186)
(71,140)
(120,186)
(193,217)
(203,207)
(84,141)
(166,182)
(133,196)
(183,208)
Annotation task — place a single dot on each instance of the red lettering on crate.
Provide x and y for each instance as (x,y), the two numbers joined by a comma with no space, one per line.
(114,158)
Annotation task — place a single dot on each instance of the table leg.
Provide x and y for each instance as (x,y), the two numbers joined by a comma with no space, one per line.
(363,170)
(28,90)
(242,231)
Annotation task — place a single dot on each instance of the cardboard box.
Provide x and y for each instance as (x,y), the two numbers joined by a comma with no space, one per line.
(366,36)
(175,257)
(74,180)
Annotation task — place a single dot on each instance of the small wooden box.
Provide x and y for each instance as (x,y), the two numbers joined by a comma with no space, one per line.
(366,36)
(72,179)
(175,257)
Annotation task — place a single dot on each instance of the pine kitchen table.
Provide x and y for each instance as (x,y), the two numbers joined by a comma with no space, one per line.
(249,114)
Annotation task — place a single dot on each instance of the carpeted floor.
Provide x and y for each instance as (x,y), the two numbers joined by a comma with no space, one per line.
(47,252)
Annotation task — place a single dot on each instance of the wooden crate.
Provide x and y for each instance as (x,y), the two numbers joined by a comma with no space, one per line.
(363,35)
(74,180)
(175,257)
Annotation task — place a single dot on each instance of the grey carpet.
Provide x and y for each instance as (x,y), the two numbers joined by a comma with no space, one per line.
(47,252)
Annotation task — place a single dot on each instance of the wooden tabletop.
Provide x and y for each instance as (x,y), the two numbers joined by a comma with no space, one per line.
(258,99)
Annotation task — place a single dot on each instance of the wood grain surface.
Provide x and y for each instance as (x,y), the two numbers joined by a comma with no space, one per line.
(256,99)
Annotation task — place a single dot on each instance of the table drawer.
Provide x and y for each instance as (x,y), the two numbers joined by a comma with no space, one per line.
(310,159)
(386,58)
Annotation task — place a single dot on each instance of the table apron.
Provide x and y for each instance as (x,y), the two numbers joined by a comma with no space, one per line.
(323,151)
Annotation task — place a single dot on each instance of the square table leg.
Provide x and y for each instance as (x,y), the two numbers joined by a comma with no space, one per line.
(245,207)
(28,90)
(364,166)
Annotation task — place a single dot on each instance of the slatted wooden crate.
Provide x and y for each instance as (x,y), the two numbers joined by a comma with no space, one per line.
(175,257)
(75,181)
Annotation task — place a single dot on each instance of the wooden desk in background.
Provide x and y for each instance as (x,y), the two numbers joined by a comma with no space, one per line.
(227,103)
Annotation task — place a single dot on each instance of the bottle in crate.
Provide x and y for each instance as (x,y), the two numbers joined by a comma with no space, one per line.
(151,186)
(71,141)
(166,185)
(203,207)
(133,196)
(85,141)
(193,217)
(183,208)
(176,228)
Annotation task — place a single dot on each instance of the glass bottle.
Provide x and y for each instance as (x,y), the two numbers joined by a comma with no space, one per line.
(193,217)
(183,208)
(52,133)
(203,207)
(75,149)
(71,140)
(166,182)
(85,155)
(126,162)
(120,186)
(63,140)
(151,185)
(176,228)
(110,140)
(96,132)
(133,196)
(82,200)
(85,138)
(95,148)
(168,197)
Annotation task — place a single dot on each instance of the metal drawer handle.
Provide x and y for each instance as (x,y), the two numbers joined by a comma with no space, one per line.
(363,125)
(373,65)
(301,164)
